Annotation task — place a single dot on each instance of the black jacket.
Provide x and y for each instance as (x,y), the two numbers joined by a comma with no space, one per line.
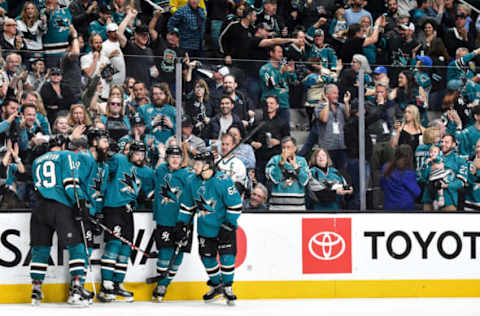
(278,128)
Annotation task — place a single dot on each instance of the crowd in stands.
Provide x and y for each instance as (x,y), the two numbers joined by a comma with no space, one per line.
(72,65)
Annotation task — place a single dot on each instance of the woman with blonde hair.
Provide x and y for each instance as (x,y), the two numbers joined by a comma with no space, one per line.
(115,120)
(408,131)
(78,115)
(31,26)
(330,184)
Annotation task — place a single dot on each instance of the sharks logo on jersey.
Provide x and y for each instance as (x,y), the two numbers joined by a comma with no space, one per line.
(97,186)
(130,180)
(169,194)
(204,206)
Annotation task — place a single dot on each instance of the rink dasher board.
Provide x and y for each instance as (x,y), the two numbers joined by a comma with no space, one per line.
(289,256)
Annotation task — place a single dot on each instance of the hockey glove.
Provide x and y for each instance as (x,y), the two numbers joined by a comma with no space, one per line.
(80,211)
(227,232)
(181,232)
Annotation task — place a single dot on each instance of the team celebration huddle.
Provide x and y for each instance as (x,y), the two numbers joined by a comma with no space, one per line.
(85,189)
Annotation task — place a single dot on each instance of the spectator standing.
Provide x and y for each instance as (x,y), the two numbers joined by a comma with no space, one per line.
(409,131)
(399,181)
(111,49)
(355,12)
(93,62)
(56,39)
(460,35)
(331,117)
(190,21)
(31,26)
(115,120)
(356,42)
(138,56)
(333,183)
(438,52)
(99,26)
(289,174)
(168,51)
(275,22)
(71,70)
(199,106)
(266,142)
(275,77)
(232,39)
(52,96)
(83,13)
(217,12)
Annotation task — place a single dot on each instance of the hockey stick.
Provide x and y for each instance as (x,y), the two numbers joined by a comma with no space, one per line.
(82,226)
(123,239)
(178,247)
(243,141)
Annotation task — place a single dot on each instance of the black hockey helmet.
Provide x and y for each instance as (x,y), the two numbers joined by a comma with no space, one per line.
(94,133)
(207,157)
(137,146)
(56,140)
(174,151)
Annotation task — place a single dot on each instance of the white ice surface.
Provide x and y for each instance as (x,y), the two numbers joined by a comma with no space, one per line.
(330,307)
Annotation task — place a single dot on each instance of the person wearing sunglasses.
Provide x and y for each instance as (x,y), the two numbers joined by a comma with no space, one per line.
(115,120)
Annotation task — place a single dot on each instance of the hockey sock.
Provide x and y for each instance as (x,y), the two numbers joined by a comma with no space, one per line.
(227,267)
(109,259)
(77,260)
(213,269)
(164,257)
(39,264)
(121,264)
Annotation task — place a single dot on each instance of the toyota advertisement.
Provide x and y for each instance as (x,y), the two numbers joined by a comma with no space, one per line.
(293,247)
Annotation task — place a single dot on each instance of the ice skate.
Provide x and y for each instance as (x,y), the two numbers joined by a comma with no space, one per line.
(120,291)
(214,292)
(37,294)
(106,294)
(228,295)
(76,296)
(159,293)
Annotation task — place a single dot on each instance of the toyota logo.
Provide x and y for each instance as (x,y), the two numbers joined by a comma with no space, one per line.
(330,245)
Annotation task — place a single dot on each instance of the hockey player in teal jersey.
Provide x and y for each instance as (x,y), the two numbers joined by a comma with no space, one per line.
(120,201)
(55,176)
(170,183)
(214,196)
